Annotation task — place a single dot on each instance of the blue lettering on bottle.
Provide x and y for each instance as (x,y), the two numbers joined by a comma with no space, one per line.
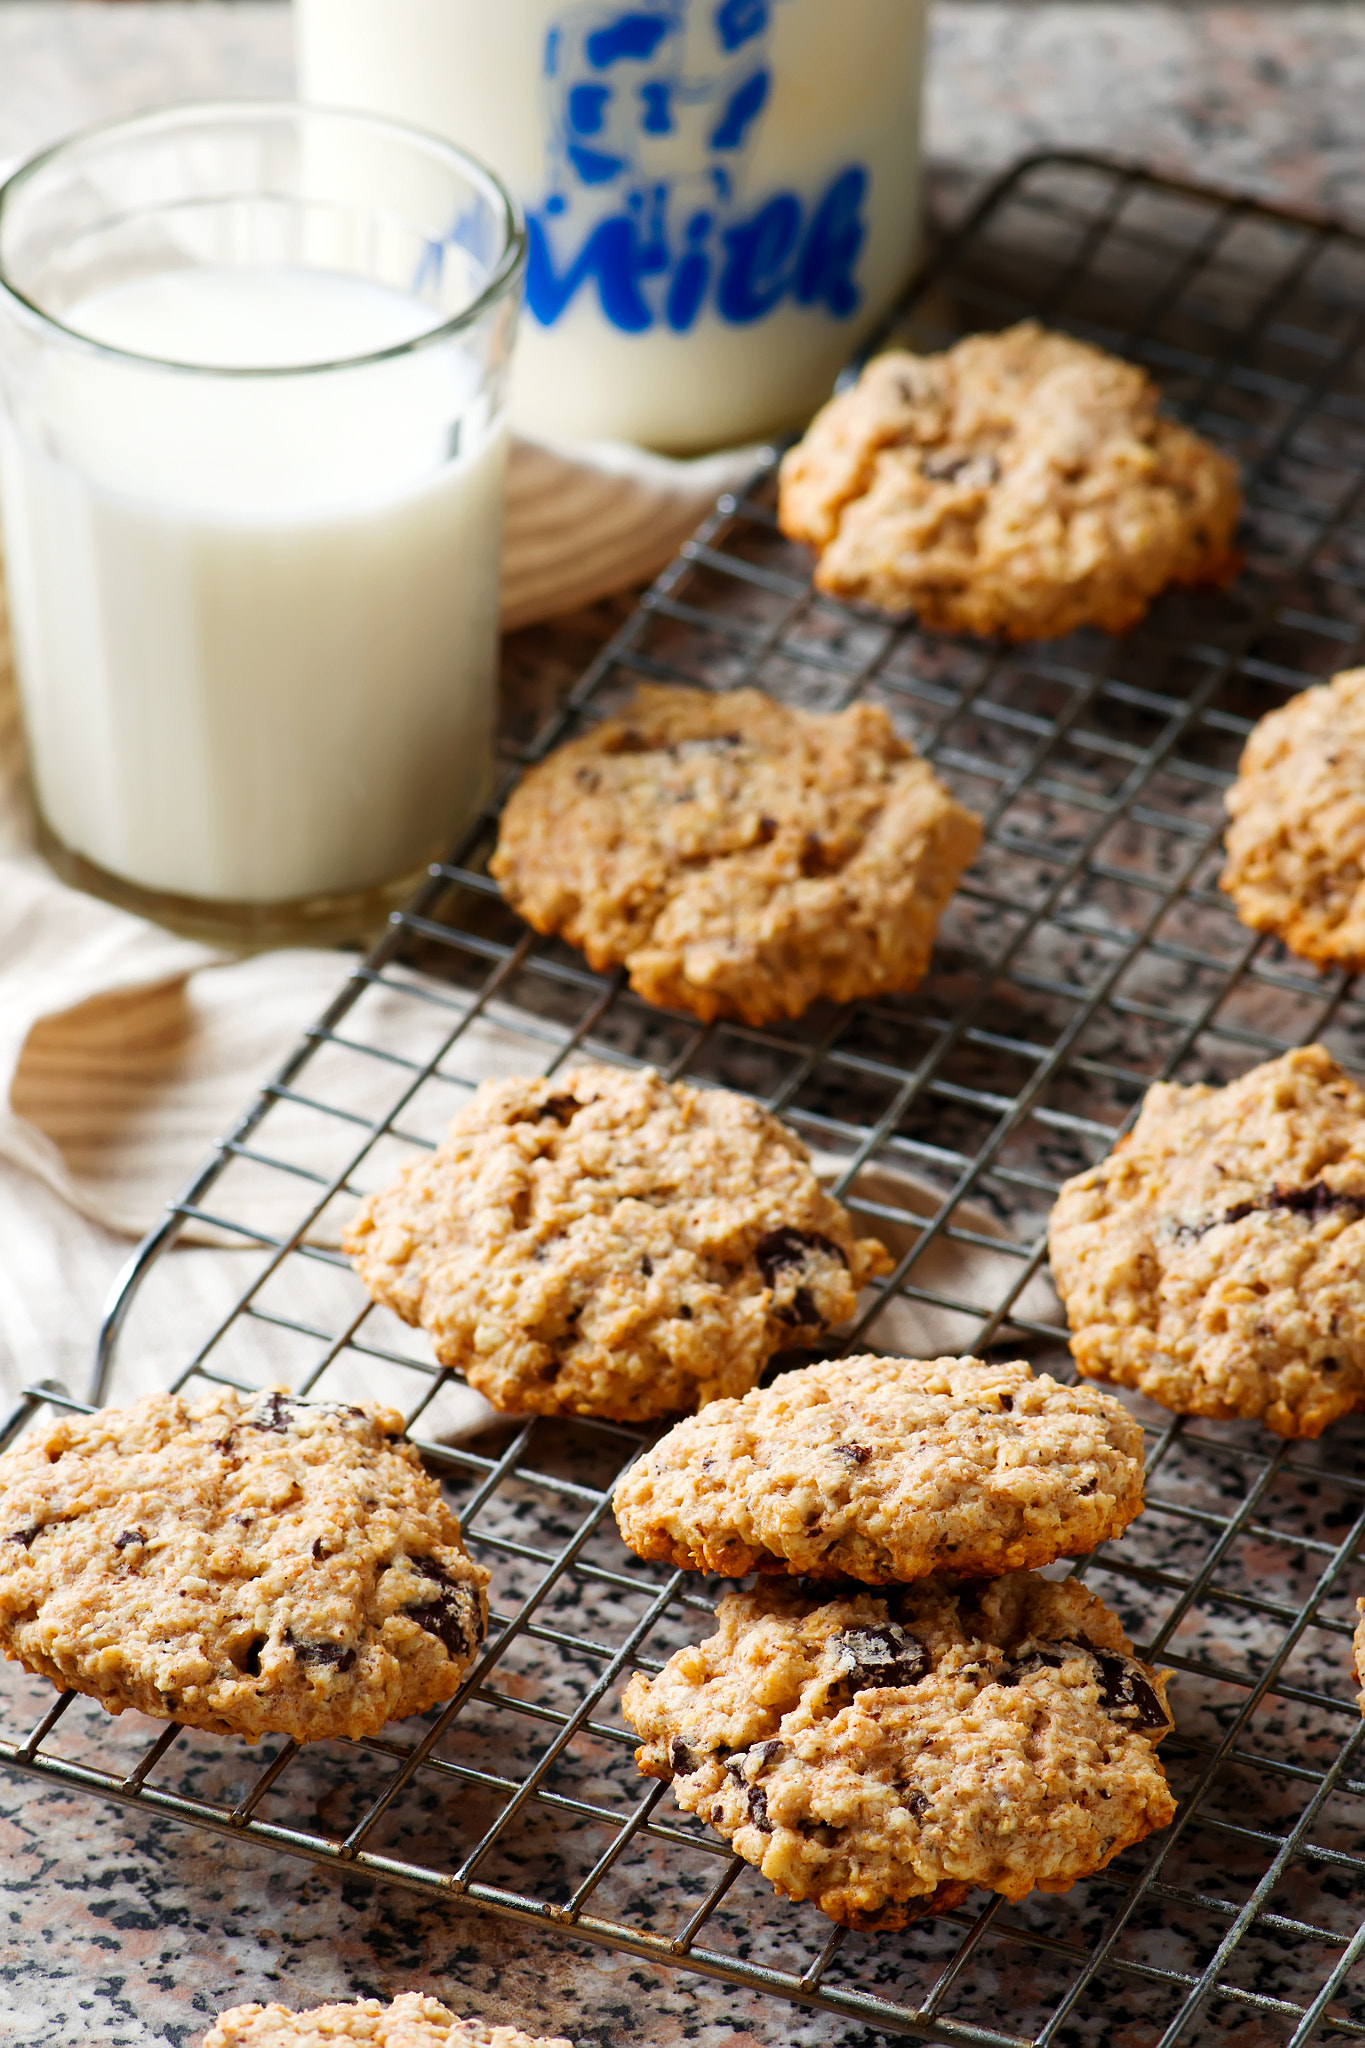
(739,21)
(588,108)
(662,247)
(594,166)
(745,105)
(656,99)
(630,35)
(756,273)
(833,244)
(610,255)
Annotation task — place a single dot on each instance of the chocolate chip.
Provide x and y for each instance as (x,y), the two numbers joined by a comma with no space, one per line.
(684,1312)
(887,1656)
(758,1809)
(129,1536)
(563,1108)
(681,1758)
(1091,1486)
(801,1312)
(1124,1688)
(1036,1660)
(744,1764)
(777,1249)
(327,1655)
(856,1454)
(1007,1402)
(1329,1365)
(1127,1693)
(1314,1202)
(647,1266)
(819,1831)
(320,1549)
(945,466)
(453,1617)
(273,1412)
(25,1536)
(916,1803)
(251,1663)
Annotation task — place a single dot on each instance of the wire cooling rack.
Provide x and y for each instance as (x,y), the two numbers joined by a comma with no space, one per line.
(1087,953)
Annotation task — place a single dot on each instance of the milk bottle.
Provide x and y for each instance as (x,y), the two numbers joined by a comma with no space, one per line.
(721,195)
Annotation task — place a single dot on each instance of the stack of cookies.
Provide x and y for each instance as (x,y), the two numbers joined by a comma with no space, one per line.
(902,1707)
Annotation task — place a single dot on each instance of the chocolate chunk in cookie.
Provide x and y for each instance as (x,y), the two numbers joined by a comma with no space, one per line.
(908,1745)
(738,859)
(636,1255)
(1021,484)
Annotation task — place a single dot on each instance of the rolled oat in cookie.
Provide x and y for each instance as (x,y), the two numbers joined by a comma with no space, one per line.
(411,2021)
(739,859)
(882,1753)
(251,1565)
(605,1242)
(1020,484)
(1296,836)
(1214,1260)
(888,1469)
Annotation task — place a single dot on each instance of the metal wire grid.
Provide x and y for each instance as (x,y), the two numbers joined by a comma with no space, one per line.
(1087,954)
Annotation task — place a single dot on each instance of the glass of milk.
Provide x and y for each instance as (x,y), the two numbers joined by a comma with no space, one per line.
(253,363)
(722,196)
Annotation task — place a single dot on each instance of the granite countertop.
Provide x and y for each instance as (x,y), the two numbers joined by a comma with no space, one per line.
(127,1930)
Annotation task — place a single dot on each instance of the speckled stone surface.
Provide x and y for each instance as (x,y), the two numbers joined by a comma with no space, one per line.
(123,1929)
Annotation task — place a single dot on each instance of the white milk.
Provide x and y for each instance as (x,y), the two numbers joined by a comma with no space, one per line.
(255,618)
(722,196)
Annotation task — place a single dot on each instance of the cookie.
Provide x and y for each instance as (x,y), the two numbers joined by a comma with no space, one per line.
(885,1470)
(1296,840)
(1214,1260)
(1021,484)
(605,1242)
(412,2021)
(882,1753)
(252,1565)
(737,858)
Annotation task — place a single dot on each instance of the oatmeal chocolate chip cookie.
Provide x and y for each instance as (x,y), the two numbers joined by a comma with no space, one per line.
(412,2021)
(1021,484)
(249,1565)
(1214,1259)
(1296,841)
(609,1243)
(739,859)
(881,1753)
(888,1469)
